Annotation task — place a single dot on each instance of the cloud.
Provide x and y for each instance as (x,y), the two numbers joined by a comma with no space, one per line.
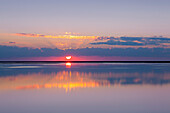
(104,38)
(12,42)
(123,52)
(16,52)
(134,41)
(69,40)
(29,35)
(67,36)
(112,42)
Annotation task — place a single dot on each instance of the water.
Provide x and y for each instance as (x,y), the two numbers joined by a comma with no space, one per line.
(85,88)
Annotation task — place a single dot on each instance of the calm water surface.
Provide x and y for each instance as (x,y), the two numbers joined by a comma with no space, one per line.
(85,88)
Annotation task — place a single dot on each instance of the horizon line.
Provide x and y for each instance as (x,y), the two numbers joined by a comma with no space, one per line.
(17,62)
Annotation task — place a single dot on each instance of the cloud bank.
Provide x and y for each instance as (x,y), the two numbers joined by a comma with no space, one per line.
(17,52)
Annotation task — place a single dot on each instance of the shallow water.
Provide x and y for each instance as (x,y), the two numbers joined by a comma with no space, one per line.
(85,88)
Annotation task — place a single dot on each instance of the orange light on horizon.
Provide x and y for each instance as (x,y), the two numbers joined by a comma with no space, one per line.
(68,57)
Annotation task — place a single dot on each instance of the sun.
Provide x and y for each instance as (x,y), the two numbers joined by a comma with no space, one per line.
(68,57)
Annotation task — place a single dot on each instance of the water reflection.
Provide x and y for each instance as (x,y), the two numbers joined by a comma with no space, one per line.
(75,76)
(68,65)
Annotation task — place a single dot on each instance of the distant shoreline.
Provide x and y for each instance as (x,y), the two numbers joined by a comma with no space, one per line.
(29,62)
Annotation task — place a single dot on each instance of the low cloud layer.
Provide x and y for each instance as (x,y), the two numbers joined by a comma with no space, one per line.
(16,52)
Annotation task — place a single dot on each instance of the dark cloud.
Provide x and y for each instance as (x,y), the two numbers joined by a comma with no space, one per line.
(132,38)
(134,41)
(124,52)
(104,38)
(29,35)
(15,52)
(12,42)
(112,42)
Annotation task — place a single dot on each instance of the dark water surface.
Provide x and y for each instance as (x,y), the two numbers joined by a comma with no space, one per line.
(85,88)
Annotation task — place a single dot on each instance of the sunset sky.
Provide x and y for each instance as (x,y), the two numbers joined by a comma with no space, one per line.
(100,29)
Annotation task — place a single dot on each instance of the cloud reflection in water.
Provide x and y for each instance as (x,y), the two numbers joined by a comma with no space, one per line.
(75,76)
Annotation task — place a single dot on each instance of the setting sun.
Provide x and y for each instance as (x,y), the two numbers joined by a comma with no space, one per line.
(68,57)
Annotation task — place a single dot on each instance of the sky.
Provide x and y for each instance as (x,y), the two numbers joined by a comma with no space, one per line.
(75,25)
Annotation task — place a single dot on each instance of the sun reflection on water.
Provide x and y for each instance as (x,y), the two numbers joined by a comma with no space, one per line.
(68,65)
(75,77)
(67,80)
